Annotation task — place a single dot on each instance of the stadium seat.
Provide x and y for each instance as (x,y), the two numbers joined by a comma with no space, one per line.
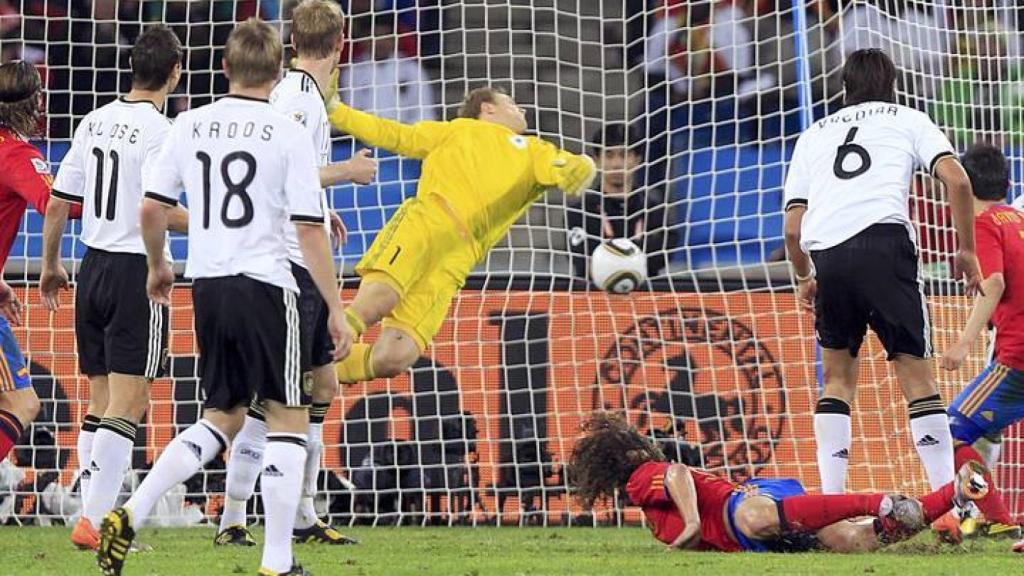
(729,204)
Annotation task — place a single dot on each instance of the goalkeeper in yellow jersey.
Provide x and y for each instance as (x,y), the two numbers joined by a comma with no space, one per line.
(479,175)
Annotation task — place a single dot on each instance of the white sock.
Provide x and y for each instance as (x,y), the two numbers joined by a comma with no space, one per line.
(832,434)
(243,470)
(989,448)
(929,429)
(111,454)
(86,437)
(306,514)
(183,457)
(283,465)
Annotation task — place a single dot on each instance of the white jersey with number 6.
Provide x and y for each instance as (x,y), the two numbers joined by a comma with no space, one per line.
(103,169)
(854,168)
(298,97)
(246,170)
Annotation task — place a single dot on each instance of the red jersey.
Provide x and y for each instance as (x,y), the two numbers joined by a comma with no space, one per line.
(999,233)
(25,180)
(646,488)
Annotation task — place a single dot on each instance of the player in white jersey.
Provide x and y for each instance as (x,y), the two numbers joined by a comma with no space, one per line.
(317,36)
(246,169)
(847,202)
(121,335)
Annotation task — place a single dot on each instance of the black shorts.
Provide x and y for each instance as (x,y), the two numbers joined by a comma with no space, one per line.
(117,327)
(248,337)
(872,279)
(317,345)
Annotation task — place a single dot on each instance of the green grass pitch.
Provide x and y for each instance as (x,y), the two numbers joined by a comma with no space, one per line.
(496,551)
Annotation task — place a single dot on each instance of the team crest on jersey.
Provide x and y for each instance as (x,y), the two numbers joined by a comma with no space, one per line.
(518,141)
(41,166)
(299,116)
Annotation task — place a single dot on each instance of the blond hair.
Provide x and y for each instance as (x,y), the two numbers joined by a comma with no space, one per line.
(472,106)
(253,54)
(316,27)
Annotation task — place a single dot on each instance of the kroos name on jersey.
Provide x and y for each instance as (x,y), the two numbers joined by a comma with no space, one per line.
(232,130)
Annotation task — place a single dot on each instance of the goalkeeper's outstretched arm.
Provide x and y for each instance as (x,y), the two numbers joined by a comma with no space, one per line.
(571,173)
(413,141)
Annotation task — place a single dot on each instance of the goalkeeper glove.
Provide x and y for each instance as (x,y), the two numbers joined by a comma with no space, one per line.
(331,98)
(576,173)
(330,95)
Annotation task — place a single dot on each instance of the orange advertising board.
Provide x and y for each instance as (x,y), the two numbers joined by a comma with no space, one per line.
(492,412)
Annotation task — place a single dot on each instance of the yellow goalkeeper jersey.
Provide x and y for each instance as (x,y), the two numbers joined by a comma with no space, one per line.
(484,173)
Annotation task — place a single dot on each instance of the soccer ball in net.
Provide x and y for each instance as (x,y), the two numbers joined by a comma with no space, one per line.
(618,266)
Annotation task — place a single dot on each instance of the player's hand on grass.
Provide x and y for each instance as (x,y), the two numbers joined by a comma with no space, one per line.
(51,282)
(955,356)
(966,266)
(362,167)
(339,234)
(806,292)
(159,282)
(341,334)
(10,306)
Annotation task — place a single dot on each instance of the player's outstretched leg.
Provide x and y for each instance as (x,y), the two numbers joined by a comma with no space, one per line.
(183,457)
(897,517)
(309,528)
(243,470)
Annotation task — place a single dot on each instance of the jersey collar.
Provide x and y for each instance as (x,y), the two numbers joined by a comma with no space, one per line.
(249,98)
(124,100)
(308,75)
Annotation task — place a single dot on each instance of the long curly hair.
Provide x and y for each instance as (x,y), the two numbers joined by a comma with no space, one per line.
(606,456)
(19,97)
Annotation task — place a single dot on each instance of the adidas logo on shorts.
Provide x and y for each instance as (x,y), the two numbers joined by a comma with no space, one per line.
(272,471)
(927,440)
(844,454)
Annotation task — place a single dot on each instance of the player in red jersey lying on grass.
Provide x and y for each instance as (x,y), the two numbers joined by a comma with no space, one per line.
(691,508)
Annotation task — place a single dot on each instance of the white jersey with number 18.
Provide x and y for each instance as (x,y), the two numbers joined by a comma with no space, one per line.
(103,170)
(246,170)
(853,169)
(298,97)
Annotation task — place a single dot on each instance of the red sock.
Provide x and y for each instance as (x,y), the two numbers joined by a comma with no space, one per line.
(992,505)
(810,513)
(937,503)
(10,431)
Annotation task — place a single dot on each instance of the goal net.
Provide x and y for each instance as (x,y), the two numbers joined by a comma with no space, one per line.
(692,109)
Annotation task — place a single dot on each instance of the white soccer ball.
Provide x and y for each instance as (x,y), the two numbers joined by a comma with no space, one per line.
(618,266)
